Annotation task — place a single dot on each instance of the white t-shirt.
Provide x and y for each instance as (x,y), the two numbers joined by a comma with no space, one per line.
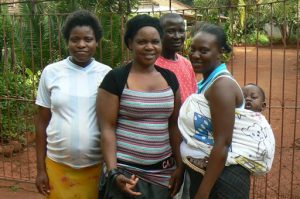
(70,91)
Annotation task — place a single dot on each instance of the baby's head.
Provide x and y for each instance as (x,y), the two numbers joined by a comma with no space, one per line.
(254,97)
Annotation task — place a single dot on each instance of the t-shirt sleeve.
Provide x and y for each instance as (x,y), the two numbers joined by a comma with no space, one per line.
(43,94)
(109,83)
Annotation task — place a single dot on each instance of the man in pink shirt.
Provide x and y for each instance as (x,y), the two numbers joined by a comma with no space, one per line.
(173,40)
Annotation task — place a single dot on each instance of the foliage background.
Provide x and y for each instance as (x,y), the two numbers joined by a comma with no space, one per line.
(32,39)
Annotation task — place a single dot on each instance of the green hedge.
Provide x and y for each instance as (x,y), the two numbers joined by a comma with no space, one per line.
(17,108)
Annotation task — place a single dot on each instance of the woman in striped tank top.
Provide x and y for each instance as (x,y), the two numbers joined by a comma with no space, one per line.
(138,107)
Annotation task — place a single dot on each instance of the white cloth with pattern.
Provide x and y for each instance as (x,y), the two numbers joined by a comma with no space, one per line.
(253,143)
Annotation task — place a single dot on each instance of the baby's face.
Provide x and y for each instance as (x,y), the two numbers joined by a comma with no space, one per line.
(254,99)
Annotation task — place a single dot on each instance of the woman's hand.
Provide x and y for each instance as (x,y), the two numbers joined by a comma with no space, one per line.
(176,181)
(42,183)
(127,185)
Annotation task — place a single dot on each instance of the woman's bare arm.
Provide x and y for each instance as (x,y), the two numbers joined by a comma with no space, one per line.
(222,102)
(41,122)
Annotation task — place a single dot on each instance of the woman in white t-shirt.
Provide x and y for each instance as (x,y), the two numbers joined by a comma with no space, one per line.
(69,157)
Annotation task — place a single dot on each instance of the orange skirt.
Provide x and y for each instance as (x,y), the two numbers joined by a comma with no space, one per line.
(69,183)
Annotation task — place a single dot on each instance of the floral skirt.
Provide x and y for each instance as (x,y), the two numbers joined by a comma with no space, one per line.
(69,183)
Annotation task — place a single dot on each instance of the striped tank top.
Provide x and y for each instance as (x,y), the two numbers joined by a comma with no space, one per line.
(143,134)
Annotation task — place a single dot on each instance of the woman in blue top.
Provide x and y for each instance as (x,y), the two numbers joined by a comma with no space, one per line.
(219,96)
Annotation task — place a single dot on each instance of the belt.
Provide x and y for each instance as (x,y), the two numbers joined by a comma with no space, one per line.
(164,164)
(198,165)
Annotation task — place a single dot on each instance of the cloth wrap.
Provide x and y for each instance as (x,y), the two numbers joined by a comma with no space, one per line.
(253,143)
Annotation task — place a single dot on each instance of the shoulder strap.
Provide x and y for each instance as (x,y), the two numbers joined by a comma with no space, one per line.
(230,77)
(204,84)
(223,74)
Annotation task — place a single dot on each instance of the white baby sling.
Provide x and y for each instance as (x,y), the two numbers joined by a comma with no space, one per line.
(253,143)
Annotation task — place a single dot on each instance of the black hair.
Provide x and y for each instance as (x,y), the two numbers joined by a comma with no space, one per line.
(168,16)
(138,22)
(82,18)
(218,32)
(259,88)
(195,28)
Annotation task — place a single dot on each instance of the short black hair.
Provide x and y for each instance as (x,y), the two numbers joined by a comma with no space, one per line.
(259,88)
(82,18)
(138,22)
(167,16)
(218,31)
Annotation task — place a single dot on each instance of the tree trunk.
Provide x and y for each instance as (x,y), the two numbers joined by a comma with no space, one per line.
(284,29)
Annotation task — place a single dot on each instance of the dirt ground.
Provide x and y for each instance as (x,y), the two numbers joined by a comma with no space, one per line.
(18,190)
(276,72)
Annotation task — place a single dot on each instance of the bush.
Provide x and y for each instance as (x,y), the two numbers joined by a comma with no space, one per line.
(258,38)
(16,106)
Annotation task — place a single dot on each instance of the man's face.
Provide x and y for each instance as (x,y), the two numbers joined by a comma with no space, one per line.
(174,34)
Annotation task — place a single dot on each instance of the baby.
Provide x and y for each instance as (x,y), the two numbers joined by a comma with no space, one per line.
(254,97)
